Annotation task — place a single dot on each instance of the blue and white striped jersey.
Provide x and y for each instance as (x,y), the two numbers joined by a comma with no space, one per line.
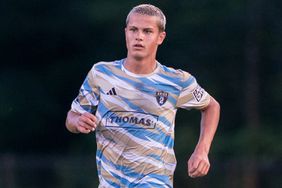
(136,113)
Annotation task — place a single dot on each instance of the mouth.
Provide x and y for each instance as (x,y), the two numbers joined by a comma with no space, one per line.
(138,46)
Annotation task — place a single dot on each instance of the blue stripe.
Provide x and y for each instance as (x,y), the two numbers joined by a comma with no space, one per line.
(160,86)
(86,85)
(102,158)
(151,184)
(103,69)
(102,109)
(189,81)
(162,178)
(177,80)
(123,169)
(132,106)
(164,121)
(130,173)
(167,69)
(111,182)
(134,83)
(120,168)
(144,134)
(172,100)
(146,83)
(168,141)
(120,179)
(154,156)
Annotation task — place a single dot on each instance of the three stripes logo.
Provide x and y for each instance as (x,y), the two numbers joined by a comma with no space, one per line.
(112,92)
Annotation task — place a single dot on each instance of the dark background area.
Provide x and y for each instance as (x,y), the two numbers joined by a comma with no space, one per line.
(233,48)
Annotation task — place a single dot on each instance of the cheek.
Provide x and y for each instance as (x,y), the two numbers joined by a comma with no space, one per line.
(154,43)
(127,40)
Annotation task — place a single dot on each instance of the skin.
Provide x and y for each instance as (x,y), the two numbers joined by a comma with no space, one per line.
(198,164)
(143,37)
(142,40)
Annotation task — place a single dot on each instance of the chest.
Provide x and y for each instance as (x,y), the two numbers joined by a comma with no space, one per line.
(144,95)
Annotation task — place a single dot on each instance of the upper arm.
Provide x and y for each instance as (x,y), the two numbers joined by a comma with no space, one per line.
(192,95)
(212,104)
(88,96)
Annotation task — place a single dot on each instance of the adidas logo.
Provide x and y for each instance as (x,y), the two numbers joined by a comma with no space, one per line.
(112,92)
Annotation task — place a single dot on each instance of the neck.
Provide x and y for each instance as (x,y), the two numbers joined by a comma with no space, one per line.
(140,66)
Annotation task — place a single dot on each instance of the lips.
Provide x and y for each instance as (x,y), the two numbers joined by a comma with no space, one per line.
(138,46)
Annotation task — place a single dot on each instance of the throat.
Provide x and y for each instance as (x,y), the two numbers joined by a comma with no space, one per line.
(140,67)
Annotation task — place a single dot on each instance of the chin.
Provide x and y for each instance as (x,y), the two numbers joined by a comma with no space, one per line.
(137,57)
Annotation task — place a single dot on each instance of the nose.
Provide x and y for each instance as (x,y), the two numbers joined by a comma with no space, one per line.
(139,36)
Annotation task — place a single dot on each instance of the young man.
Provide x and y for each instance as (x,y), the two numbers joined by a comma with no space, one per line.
(132,103)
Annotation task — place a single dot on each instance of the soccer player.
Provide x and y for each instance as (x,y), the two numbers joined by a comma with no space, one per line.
(131,105)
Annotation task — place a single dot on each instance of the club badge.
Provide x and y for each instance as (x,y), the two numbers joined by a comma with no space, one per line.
(198,93)
(161,97)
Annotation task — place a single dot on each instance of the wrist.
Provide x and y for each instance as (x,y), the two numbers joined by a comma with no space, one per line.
(72,124)
(202,148)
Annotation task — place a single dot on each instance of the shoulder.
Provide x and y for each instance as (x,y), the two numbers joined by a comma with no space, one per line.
(107,65)
(179,76)
(174,72)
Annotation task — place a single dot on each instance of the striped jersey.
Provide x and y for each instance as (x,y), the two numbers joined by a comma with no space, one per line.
(136,114)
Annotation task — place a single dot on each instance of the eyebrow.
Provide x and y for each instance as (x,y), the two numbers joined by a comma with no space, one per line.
(133,26)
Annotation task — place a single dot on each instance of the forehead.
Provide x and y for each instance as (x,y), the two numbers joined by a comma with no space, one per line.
(142,21)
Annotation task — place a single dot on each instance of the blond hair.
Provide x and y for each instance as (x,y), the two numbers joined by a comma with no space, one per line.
(150,10)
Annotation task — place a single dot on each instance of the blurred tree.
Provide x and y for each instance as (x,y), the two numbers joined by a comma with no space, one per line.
(252,90)
(232,47)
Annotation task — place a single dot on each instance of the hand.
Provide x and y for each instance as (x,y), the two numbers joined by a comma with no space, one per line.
(198,164)
(86,123)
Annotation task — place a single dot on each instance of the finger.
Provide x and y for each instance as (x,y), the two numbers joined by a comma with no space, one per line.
(86,124)
(90,116)
(199,170)
(206,170)
(202,169)
(83,130)
(193,165)
(90,119)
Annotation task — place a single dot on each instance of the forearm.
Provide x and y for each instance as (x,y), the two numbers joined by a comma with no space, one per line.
(71,121)
(209,123)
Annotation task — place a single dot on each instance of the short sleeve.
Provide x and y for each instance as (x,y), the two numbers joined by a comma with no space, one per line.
(88,97)
(192,96)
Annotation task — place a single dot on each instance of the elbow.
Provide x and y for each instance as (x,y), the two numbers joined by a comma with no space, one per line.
(216,104)
(213,105)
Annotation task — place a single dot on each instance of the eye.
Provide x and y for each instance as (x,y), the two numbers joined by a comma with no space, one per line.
(148,31)
(133,29)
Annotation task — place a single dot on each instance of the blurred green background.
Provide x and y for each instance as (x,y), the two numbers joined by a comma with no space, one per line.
(233,48)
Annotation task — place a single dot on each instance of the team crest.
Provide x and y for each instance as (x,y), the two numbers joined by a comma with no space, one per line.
(161,97)
(198,93)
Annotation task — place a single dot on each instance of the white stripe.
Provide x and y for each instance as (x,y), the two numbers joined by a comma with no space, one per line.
(161,79)
(150,179)
(143,143)
(117,172)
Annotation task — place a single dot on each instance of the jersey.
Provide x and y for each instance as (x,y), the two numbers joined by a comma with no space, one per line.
(136,114)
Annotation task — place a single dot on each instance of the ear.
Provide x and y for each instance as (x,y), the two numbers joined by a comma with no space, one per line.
(161,37)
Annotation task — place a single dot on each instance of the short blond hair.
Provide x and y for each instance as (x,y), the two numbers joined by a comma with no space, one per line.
(150,10)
